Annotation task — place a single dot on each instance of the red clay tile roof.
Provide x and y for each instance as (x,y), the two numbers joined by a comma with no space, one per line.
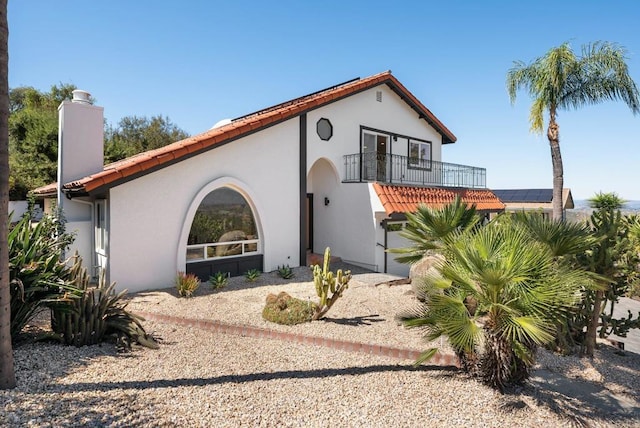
(134,166)
(403,199)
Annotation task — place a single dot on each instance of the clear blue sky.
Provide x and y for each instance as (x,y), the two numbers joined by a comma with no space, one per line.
(201,61)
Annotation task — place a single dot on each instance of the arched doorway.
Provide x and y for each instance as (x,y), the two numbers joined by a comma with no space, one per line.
(323,205)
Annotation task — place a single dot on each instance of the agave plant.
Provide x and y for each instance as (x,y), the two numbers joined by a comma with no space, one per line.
(498,295)
(38,276)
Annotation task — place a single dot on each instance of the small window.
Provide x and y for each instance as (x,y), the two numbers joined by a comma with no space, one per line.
(100,226)
(420,154)
(324,128)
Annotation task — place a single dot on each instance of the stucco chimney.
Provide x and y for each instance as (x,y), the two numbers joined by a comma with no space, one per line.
(80,138)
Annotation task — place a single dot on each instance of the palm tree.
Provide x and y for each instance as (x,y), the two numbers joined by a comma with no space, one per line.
(561,80)
(427,228)
(498,295)
(7,374)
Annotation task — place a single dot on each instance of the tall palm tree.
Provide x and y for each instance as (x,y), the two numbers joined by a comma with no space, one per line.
(7,374)
(562,80)
(498,295)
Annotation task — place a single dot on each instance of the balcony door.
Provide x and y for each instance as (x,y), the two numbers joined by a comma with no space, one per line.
(375,148)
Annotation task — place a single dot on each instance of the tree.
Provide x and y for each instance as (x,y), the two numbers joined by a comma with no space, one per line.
(33,137)
(7,374)
(561,80)
(138,134)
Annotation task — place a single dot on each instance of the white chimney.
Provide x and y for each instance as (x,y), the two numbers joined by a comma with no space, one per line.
(80,138)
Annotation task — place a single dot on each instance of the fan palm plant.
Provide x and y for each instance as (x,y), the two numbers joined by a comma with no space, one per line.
(562,239)
(567,243)
(428,228)
(496,297)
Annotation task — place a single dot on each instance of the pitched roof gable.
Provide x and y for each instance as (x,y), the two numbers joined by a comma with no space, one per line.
(403,199)
(134,166)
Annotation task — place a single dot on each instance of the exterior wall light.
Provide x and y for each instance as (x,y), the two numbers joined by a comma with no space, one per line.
(326,201)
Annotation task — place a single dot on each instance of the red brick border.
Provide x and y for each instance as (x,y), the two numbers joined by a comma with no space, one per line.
(438,359)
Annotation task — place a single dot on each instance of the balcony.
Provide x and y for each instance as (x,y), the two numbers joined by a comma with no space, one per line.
(396,169)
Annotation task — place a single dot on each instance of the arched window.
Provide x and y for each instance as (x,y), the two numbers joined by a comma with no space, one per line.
(223,226)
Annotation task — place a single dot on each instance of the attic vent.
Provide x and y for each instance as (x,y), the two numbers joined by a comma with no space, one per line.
(379,96)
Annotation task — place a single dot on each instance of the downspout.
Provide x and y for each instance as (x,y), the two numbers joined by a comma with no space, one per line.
(302,189)
(385,247)
(383,224)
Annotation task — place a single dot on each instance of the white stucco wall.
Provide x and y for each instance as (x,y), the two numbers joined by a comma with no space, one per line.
(83,230)
(350,225)
(392,115)
(346,224)
(148,216)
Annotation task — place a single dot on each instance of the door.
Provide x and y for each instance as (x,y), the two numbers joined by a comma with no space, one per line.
(309,220)
(374,156)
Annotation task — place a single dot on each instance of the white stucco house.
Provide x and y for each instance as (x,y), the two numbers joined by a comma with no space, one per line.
(337,168)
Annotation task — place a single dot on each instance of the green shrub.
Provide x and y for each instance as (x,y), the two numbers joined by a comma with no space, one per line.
(285,272)
(252,275)
(96,313)
(38,277)
(187,284)
(219,280)
(287,310)
(329,286)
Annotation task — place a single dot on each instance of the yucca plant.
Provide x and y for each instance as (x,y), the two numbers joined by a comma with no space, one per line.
(186,284)
(95,313)
(38,276)
(219,280)
(498,295)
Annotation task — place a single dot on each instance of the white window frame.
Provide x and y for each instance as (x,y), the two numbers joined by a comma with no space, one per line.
(101,226)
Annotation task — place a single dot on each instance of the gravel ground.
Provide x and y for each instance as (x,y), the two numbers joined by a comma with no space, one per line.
(200,378)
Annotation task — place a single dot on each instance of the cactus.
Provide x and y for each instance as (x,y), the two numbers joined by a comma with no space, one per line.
(329,286)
